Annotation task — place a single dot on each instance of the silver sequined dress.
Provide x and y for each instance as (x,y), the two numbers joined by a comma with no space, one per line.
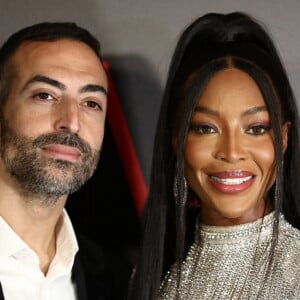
(231,263)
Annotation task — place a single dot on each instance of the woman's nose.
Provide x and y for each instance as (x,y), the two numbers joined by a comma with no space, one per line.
(231,148)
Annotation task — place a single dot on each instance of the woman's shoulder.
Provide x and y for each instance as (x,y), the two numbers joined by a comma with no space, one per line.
(286,264)
(288,243)
(288,231)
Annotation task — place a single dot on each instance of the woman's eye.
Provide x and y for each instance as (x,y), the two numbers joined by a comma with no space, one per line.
(43,96)
(258,129)
(94,105)
(203,128)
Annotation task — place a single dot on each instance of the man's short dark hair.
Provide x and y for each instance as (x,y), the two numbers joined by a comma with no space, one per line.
(47,32)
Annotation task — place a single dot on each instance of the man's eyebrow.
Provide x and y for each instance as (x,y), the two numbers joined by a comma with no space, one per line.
(44,79)
(93,88)
(61,86)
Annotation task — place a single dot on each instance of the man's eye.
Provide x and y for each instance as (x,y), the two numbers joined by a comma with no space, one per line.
(43,96)
(203,128)
(258,129)
(94,105)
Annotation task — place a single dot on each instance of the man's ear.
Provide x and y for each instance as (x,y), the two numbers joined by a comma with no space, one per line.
(285,135)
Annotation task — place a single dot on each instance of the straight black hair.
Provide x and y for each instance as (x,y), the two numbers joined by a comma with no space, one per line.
(210,44)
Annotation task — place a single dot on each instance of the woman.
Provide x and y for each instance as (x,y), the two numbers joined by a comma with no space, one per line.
(222,216)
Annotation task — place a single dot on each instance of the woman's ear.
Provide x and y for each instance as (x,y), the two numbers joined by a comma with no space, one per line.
(285,135)
(175,145)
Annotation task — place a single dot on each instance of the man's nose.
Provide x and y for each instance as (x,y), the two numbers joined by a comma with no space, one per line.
(67,116)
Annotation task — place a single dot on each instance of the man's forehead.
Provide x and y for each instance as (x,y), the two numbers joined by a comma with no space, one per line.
(38,57)
(32,48)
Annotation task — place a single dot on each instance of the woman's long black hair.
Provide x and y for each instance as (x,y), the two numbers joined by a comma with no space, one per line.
(210,44)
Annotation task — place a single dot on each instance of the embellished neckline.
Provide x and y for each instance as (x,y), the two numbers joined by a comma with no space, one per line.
(230,262)
(262,226)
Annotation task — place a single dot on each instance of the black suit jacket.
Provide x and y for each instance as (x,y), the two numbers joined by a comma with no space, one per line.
(97,273)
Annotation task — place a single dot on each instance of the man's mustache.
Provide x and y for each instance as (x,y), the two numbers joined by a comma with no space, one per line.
(63,138)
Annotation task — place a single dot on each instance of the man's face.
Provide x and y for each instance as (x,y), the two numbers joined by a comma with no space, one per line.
(52,123)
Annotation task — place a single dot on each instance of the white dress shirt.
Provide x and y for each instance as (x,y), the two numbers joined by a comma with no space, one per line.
(20,274)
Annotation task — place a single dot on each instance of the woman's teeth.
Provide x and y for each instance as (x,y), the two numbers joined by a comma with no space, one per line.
(231,181)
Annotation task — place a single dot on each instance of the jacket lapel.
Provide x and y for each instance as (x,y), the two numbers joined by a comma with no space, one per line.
(1,292)
(78,279)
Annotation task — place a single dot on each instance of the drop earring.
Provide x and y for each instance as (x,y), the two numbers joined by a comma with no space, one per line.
(180,189)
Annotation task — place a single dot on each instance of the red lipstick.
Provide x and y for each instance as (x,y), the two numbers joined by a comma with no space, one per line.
(231,182)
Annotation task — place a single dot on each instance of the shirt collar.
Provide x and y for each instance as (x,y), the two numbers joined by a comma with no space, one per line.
(66,242)
(10,242)
(66,248)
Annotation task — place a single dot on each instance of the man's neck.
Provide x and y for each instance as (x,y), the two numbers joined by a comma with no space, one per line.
(34,220)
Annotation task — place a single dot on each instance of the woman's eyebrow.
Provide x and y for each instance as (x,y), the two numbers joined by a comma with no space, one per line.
(254,110)
(206,110)
(250,111)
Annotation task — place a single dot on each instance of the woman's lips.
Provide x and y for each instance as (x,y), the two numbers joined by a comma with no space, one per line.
(62,152)
(232,182)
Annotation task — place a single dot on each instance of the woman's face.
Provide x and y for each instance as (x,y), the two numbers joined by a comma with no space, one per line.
(229,154)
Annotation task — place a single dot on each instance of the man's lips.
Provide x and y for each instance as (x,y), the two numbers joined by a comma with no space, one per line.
(232,181)
(63,152)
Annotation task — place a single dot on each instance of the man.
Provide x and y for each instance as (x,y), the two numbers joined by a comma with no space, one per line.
(53,93)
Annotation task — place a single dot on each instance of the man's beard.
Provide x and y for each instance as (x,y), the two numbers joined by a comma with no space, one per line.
(41,176)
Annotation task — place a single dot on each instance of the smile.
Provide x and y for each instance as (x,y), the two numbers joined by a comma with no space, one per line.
(232,182)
